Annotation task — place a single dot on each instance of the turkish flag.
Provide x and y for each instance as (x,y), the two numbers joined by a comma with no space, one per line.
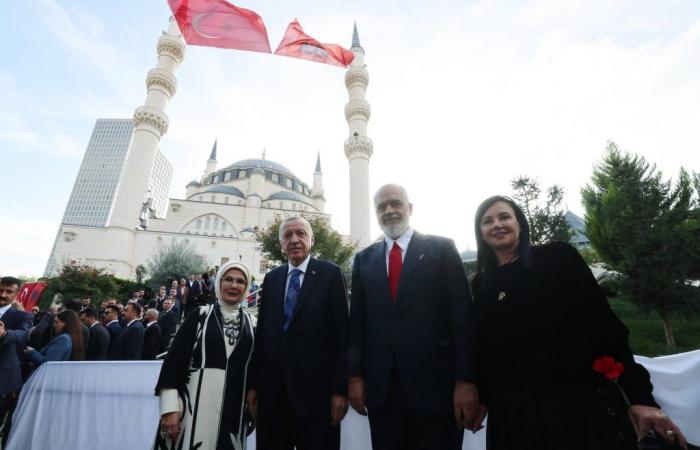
(30,293)
(297,44)
(218,23)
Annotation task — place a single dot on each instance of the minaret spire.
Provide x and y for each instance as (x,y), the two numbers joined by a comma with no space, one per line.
(318,162)
(211,162)
(213,150)
(358,146)
(150,124)
(317,193)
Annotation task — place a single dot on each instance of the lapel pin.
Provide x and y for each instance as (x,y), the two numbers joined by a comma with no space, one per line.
(313,272)
(421,256)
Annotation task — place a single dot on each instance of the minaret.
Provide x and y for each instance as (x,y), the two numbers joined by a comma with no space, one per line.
(211,162)
(317,189)
(358,147)
(150,123)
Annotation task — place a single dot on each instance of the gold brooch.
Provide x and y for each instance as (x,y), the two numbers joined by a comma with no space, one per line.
(501,296)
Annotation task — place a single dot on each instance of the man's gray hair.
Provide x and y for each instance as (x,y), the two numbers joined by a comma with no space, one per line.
(152,313)
(398,187)
(294,219)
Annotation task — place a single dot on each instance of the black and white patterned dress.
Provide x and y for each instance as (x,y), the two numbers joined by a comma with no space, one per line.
(208,366)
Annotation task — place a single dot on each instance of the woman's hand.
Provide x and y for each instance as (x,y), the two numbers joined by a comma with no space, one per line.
(170,424)
(647,417)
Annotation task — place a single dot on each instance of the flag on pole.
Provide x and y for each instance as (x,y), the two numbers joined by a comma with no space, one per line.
(297,44)
(30,293)
(218,23)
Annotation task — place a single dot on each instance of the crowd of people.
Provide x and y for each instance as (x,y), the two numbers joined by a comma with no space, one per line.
(420,351)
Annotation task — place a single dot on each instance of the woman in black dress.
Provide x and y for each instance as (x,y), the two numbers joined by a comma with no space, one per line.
(542,321)
(203,378)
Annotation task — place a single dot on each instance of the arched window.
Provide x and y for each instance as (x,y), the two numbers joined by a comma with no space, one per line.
(207,222)
(223,226)
(216,223)
(199,223)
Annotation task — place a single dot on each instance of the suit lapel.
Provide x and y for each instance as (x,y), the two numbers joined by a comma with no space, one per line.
(413,258)
(310,278)
(378,269)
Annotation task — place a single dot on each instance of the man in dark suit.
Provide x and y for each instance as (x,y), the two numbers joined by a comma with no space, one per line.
(130,343)
(167,323)
(98,342)
(298,379)
(195,289)
(411,355)
(113,326)
(151,339)
(14,331)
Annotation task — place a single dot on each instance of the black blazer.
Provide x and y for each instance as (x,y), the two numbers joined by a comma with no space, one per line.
(129,344)
(167,323)
(115,330)
(425,331)
(151,342)
(309,357)
(98,343)
(17,325)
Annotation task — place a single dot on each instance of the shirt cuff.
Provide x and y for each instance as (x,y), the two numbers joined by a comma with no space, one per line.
(169,401)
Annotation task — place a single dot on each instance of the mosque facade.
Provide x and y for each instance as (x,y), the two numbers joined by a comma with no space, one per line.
(221,211)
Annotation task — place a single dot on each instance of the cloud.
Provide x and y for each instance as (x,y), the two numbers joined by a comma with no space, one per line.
(28,250)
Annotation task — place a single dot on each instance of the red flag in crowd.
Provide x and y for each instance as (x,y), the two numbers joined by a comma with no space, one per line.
(217,23)
(30,293)
(298,44)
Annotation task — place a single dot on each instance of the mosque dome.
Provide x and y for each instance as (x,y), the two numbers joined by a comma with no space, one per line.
(263,164)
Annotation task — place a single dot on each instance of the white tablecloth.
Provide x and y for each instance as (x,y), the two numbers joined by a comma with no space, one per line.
(110,405)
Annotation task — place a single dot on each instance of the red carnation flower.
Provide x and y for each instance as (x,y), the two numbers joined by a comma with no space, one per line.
(608,367)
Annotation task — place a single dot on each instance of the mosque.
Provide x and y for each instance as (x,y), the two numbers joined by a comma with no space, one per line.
(119,213)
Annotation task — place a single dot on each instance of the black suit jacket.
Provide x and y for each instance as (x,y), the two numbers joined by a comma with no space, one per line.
(98,343)
(308,358)
(129,344)
(167,323)
(425,331)
(17,325)
(151,342)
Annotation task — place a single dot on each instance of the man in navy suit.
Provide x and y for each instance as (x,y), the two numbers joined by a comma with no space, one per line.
(14,329)
(167,322)
(151,337)
(411,355)
(114,328)
(130,343)
(298,380)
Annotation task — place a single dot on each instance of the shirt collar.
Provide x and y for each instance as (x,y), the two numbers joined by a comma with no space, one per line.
(94,323)
(151,323)
(112,321)
(4,309)
(402,240)
(304,264)
(130,322)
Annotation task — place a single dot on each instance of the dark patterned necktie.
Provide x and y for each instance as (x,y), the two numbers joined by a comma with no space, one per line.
(290,301)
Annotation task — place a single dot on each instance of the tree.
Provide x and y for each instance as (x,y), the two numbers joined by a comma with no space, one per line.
(547,223)
(647,229)
(328,243)
(175,261)
(76,280)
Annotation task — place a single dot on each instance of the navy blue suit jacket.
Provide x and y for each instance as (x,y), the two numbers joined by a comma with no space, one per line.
(425,331)
(308,358)
(115,330)
(129,344)
(98,343)
(17,325)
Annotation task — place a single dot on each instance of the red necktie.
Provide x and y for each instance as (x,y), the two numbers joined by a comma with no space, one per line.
(395,264)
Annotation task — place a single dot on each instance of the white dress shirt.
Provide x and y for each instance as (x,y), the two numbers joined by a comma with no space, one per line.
(402,241)
(4,309)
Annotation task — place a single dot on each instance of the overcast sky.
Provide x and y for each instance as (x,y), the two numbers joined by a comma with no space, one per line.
(465,95)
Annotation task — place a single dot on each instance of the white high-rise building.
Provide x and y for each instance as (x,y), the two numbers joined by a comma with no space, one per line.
(159,185)
(91,200)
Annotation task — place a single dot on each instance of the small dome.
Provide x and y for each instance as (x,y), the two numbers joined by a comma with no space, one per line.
(230,190)
(194,183)
(262,164)
(286,195)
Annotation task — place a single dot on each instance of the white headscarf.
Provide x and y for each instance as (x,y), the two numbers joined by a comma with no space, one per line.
(225,268)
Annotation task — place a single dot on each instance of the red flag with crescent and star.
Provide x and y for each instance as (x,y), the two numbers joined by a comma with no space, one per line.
(30,293)
(297,44)
(218,23)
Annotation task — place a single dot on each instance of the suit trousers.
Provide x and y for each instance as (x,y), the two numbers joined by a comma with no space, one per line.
(281,429)
(398,425)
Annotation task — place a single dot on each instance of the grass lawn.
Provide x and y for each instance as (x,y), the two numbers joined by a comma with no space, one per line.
(647,332)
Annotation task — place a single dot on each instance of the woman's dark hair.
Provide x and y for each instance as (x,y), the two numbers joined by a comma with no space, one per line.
(75,330)
(486,261)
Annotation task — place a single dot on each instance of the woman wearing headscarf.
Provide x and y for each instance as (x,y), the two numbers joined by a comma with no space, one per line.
(203,378)
(542,324)
(68,343)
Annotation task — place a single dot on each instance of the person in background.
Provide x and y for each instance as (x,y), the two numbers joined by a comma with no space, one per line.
(75,305)
(68,343)
(151,339)
(98,343)
(542,322)
(129,344)
(168,324)
(113,326)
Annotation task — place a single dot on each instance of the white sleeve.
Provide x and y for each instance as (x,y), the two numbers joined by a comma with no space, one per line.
(169,401)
